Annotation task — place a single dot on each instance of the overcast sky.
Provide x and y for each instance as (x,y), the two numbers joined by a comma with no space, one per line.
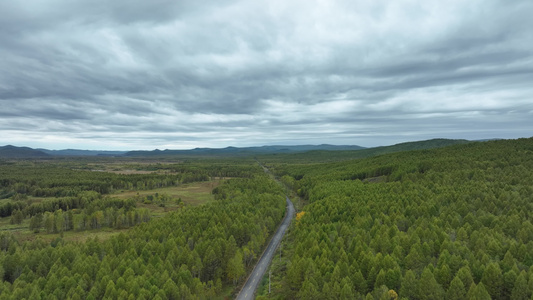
(137,74)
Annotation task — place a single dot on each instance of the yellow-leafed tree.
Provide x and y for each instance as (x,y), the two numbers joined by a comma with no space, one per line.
(300,215)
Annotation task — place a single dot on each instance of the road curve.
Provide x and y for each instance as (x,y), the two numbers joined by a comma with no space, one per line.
(249,288)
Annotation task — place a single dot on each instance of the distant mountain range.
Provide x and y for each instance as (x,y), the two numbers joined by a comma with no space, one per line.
(239,151)
(321,156)
(76,152)
(25,152)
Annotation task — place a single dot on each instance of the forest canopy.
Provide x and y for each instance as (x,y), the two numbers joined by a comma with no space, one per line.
(195,252)
(449,223)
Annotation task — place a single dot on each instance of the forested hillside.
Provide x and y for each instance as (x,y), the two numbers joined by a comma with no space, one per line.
(195,252)
(449,223)
(343,155)
(20,152)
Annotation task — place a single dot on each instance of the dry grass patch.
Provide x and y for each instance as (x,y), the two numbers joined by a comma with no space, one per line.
(71,236)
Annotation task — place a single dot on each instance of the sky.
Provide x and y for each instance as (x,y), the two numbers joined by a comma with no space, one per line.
(141,75)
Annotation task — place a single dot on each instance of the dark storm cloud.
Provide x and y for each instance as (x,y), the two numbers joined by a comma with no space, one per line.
(178,74)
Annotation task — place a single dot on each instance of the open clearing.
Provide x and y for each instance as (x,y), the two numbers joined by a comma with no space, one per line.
(22,232)
(191,194)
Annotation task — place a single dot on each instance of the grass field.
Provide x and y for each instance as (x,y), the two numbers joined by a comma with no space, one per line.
(23,233)
(196,193)
(192,193)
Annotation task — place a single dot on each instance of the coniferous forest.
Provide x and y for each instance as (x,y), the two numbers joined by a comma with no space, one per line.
(195,252)
(450,223)
(447,223)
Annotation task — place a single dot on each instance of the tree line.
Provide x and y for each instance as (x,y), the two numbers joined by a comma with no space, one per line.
(49,180)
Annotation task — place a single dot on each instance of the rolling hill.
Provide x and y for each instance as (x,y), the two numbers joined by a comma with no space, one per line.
(10,151)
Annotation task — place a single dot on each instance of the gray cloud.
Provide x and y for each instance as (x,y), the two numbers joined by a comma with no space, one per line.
(179,74)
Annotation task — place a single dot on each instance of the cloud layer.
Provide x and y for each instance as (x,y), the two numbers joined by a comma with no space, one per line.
(180,74)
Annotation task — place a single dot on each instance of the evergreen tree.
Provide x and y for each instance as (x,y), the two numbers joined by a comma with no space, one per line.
(493,280)
(456,291)
(444,276)
(466,276)
(309,290)
(509,279)
(36,223)
(360,283)
(380,278)
(235,267)
(520,289)
(17,217)
(478,292)
(428,287)
(346,291)
(393,278)
(409,288)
